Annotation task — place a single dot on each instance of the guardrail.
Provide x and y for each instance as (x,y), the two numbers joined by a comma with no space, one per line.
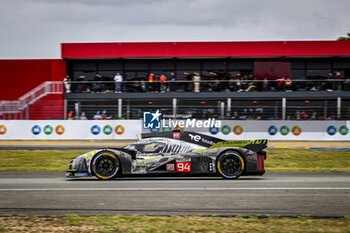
(232,85)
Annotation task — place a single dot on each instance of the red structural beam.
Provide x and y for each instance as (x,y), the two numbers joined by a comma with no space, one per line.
(206,49)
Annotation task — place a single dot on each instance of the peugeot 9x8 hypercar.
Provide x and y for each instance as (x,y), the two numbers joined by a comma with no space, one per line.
(166,153)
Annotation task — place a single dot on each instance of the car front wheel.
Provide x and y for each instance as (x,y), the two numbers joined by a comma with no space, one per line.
(105,165)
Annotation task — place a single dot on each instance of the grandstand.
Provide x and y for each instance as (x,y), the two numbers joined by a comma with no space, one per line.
(318,72)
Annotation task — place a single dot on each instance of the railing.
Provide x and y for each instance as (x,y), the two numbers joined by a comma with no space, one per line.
(16,106)
(210,85)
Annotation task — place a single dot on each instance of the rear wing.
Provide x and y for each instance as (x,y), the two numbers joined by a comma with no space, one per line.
(208,141)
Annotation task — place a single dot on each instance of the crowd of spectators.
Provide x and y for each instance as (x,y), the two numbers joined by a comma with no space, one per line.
(194,82)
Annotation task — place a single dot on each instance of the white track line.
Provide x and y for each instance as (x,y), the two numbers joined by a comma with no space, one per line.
(167,189)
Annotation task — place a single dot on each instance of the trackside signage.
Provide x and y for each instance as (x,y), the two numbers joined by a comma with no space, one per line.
(131,129)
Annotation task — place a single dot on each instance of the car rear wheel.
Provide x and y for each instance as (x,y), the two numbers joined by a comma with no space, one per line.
(105,165)
(230,165)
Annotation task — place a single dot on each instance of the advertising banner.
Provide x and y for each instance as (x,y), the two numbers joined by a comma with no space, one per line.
(70,129)
(131,129)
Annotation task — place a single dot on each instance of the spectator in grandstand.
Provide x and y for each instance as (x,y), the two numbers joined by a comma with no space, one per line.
(265,85)
(338,81)
(70,115)
(172,82)
(235,116)
(104,114)
(67,84)
(216,85)
(97,116)
(313,116)
(347,84)
(231,84)
(288,84)
(251,83)
(280,85)
(238,86)
(118,79)
(331,81)
(80,85)
(162,80)
(151,81)
(143,85)
(97,85)
(196,82)
(304,115)
(83,116)
(244,82)
(297,115)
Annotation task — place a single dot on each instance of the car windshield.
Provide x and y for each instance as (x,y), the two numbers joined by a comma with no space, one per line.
(154,147)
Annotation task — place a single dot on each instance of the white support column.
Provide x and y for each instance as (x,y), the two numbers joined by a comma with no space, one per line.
(222,109)
(174,106)
(120,101)
(77,110)
(284,105)
(338,107)
(228,104)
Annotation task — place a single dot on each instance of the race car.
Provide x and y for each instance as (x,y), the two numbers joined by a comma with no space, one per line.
(174,153)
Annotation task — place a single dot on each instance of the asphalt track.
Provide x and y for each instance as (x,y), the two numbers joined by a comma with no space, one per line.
(277,193)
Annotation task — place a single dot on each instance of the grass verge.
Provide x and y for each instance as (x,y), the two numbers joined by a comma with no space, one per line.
(136,223)
(277,160)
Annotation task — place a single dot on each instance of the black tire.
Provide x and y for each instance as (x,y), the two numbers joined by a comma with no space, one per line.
(105,165)
(230,165)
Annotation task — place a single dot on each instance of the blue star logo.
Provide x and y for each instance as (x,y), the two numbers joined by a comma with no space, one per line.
(151,120)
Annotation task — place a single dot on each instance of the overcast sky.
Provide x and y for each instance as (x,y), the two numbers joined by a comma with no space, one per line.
(36,28)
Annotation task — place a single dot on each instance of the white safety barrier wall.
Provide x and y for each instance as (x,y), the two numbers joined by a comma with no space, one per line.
(131,129)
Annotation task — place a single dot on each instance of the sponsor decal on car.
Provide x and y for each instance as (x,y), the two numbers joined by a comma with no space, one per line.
(183,167)
(170,167)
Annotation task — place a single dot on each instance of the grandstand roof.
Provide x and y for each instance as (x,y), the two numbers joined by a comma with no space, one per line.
(258,49)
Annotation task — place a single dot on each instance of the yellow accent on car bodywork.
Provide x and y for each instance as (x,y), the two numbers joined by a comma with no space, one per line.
(109,155)
(237,143)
